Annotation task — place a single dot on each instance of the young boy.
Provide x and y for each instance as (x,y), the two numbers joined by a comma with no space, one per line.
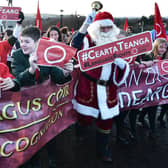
(25,68)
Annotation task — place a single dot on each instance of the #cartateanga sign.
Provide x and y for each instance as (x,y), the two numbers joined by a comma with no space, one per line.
(9,13)
(54,53)
(124,48)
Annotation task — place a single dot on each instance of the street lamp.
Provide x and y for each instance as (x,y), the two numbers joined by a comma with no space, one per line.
(78,18)
(61,17)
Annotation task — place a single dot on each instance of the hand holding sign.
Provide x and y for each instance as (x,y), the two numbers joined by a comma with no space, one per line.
(6,83)
(128,47)
(54,53)
(68,68)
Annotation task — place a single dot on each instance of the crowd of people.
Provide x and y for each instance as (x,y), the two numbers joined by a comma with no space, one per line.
(95,96)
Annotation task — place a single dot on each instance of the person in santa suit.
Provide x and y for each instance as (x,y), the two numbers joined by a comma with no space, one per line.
(96,89)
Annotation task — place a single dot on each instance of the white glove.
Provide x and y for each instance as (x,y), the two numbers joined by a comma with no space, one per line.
(6,83)
(120,62)
(89,19)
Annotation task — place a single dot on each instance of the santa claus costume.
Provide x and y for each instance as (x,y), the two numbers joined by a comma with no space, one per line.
(96,89)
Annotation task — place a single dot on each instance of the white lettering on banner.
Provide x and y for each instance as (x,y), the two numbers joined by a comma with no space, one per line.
(136,97)
(9,11)
(121,98)
(55,55)
(133,76)
(152,75)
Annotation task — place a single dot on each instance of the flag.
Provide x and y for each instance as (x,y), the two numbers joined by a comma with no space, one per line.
(158,24)
(72,30)
(38,18)
(58,24)
(126,24)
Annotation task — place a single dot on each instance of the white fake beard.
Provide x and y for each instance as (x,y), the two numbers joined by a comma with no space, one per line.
(101,38)
(104,38)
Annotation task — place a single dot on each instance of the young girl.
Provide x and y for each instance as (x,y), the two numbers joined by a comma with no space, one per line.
(54,34)
(158,53)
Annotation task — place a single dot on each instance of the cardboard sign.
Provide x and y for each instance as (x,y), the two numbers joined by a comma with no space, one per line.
(124,48)
(163,67)
(54,53)
(9,13)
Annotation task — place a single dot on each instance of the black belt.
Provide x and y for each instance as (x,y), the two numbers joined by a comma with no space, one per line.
(97,81)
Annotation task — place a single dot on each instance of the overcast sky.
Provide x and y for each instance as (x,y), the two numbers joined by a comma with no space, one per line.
(118,8)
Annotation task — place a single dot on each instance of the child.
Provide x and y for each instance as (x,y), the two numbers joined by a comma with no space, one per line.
(25,68)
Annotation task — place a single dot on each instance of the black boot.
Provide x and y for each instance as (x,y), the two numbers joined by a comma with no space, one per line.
(121,139)
(102,146)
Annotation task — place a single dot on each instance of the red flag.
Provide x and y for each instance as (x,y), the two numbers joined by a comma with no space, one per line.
(38,18)
(72,30)
(126,24)
(58,24)
(158,24)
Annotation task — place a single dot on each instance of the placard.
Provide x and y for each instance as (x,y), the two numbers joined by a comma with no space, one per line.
(9,13)
(124,48)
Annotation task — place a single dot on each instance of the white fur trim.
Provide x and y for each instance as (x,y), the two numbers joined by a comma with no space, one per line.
(120,62)
(105,111)
(124,76)
(85,43)
(85,110)
(104,22)
(108,113)
(90,111)
(97,24)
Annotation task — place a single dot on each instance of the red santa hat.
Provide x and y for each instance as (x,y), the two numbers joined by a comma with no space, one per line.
(104,19)
(4,71)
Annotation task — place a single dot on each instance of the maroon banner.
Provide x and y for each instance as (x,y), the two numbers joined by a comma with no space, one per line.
(32,117)
(54,53)
(9,13)
(144,87)
(125,48)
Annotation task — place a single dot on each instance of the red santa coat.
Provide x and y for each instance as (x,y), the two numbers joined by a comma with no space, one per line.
(93,99)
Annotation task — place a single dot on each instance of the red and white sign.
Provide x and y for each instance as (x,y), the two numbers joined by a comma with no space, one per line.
(9,13)
(124,48)
(163,67)
(54,53)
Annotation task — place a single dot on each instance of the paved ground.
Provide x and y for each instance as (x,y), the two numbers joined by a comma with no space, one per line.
(65,152)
